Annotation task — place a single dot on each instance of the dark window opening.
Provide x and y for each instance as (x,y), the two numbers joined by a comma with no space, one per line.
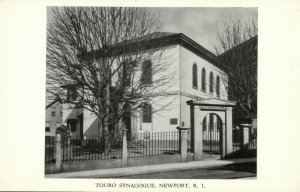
(52,113)
(203,82)
(47,129)
(146,73)
(211,82)
(195,76)
(147,113)
(72,124)
(128,68)
(218,86)
(173,121)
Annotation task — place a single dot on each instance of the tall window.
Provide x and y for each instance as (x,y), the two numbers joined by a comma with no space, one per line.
(211,82)
(195,76)
(146,72)
(128,68)
(218,86)
(203,83)
(147,113)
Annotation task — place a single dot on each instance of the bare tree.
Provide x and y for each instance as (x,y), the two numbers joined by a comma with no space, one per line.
(108,56)
(236,47)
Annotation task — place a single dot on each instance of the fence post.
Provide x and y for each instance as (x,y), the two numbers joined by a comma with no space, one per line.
(245,128)
(124,149)
(183,143)
(58,153)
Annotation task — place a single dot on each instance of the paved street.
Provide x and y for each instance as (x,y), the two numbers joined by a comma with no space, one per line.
(231,171)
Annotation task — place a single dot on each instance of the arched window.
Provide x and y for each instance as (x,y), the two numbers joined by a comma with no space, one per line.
(218,86)
(211,82)
(146,73)
(147,113)
(195,76)
(203,76)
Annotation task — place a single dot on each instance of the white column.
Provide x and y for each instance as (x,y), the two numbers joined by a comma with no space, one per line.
(124,148)
(198,137)
(228,131)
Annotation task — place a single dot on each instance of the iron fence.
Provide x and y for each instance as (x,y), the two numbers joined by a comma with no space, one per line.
(237,140)
(211,141)
(49,149)
(90,148)
(153,144)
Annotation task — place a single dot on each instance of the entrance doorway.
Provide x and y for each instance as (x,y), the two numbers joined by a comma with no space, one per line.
(212,134)
(126,119)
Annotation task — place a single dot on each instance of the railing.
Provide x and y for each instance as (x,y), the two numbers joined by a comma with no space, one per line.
(49,149)
(211,141)
(89,149)
(154,143)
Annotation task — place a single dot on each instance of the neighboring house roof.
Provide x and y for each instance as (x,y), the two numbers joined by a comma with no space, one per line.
(161,39)
(52,103)
(243,44)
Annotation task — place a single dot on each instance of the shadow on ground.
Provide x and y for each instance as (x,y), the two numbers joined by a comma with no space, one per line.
(239,167)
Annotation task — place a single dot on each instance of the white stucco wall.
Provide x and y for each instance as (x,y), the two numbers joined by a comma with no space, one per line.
(187,59)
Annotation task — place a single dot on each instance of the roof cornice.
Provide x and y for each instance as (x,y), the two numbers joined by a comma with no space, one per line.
(177,38)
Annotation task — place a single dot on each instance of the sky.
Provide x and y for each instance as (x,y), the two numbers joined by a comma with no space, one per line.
(199,24)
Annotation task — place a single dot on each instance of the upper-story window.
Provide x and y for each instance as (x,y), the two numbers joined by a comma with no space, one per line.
(195,76)
(203,82)
(147,113)
(146,73)
(218,86)
(127,72)
(211,82)
(52,111)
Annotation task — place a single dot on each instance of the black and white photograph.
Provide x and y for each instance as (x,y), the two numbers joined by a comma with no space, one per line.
(132,87)
(138,95)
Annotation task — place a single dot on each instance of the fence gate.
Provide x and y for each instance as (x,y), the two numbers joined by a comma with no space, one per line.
(212,138)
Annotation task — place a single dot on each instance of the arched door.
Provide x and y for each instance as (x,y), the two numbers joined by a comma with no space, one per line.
(211,134)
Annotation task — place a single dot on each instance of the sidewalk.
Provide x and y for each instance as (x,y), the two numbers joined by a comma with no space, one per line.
(148,169)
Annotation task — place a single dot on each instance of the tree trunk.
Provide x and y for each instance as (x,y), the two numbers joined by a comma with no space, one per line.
(107,141)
